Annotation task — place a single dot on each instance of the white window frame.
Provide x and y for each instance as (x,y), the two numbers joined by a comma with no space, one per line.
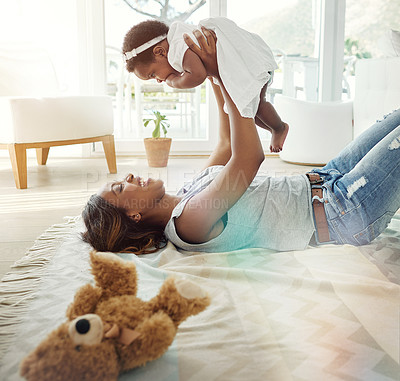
(330,49)
(91,47)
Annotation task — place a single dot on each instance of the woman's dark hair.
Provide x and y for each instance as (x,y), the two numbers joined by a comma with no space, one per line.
(137,36)
(110,229)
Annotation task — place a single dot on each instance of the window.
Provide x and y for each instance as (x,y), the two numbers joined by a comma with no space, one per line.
(288,27)
(186,110)
(367,34)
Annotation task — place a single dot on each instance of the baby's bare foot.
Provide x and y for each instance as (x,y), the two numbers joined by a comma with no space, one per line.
(278,138)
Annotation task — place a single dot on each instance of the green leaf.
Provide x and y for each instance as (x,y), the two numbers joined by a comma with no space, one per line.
(159,122)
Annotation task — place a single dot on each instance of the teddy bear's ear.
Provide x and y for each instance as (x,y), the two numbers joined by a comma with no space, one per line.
(85,301)
(113,275)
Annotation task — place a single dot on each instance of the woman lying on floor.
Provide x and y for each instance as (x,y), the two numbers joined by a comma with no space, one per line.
(227,206)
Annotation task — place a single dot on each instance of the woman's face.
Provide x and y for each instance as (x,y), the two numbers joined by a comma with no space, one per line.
(133,194)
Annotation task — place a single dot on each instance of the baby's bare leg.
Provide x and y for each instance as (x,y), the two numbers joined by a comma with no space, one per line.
(267,114)
(261,124)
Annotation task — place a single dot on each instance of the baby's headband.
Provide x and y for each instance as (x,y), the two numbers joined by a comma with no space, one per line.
(142,48)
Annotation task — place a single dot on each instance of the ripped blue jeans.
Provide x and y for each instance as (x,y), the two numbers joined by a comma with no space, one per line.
(361,190)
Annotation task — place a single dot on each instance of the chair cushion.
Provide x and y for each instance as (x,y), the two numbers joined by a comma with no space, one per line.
(31,120)
(317,131)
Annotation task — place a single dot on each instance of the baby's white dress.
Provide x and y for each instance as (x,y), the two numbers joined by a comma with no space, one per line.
(245,62)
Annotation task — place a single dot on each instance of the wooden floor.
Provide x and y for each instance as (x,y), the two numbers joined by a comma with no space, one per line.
(62,187)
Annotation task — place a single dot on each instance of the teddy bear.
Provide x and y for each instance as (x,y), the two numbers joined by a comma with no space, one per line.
(108,329)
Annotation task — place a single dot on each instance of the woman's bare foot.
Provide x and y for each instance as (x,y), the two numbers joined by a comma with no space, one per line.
(278,138)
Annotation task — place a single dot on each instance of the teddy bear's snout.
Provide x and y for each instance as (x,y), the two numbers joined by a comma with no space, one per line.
(86,329)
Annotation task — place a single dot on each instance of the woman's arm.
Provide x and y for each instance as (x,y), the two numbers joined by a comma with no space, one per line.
(222,151)
(204,210)
(193,75)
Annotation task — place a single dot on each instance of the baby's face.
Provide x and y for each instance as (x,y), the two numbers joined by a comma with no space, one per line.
(159,69)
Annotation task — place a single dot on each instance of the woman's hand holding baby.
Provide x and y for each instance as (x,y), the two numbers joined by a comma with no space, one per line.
(207,51)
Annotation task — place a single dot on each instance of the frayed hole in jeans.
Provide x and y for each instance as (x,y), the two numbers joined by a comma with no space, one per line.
(356,185)
(395,144)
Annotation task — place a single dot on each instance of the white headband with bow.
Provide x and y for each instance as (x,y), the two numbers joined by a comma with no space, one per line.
(142,48)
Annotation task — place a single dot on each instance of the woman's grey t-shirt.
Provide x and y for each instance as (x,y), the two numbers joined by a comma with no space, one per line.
(273,213)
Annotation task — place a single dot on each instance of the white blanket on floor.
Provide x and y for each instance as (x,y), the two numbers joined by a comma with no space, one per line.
(328,313)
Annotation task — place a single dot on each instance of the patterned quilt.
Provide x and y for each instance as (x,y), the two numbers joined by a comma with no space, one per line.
(326,313)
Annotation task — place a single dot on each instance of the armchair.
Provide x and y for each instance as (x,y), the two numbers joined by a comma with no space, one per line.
(33,114)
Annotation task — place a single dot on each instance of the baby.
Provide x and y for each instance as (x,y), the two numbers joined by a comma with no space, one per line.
(245,63)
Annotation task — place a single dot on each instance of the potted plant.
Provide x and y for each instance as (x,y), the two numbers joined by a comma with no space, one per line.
(157,147)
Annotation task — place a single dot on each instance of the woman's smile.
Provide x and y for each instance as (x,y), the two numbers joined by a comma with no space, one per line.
(129,179)
(134,193)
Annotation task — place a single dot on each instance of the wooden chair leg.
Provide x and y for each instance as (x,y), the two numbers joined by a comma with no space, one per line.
(109,150)
(18,162)
(42,155)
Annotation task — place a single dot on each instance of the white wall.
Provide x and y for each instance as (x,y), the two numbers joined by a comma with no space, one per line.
(51,24)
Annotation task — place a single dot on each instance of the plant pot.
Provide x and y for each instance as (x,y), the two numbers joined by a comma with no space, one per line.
(157,151)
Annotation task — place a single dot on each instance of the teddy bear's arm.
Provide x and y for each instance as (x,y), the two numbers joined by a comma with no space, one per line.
(85,301)
(180,299)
